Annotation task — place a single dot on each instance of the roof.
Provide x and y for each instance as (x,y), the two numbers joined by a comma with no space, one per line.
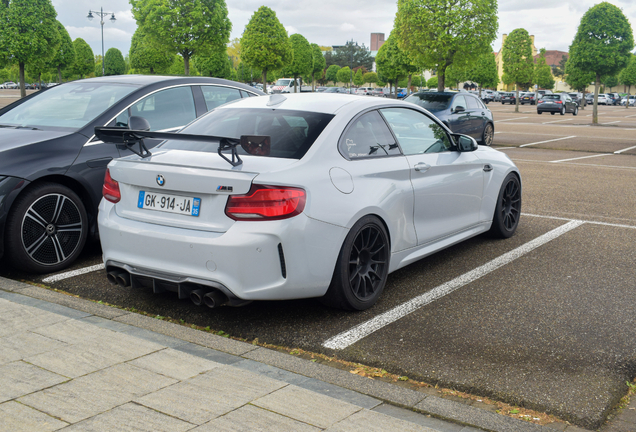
(143,80)
(552,57)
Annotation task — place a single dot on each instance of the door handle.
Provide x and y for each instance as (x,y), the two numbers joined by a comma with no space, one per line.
(488,167)
(421,166)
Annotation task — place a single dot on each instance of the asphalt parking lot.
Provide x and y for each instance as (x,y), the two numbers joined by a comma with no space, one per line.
(544,319)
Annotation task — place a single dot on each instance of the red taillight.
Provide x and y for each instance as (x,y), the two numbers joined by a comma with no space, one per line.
(110,191)
(559,102)
(266,203)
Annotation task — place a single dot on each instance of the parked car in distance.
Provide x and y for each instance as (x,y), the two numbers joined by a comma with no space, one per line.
(615,98)
(52,166)
(603,99)
(497,96)
(527,98)
(335,90)
(541,93)
(401,93)
(487,96)
(630,98)
(461,112)
(576,97)
(364,91)
(9,85)
(557,103)
(508,97)
(380,92)
(279,209)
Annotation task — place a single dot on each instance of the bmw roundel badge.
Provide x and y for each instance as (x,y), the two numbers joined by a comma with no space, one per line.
(160,180)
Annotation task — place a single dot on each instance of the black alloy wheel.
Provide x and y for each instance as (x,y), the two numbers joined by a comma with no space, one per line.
(576,111)
(362,267)
(508,208)
(488,135)
(562,110)
(46,229)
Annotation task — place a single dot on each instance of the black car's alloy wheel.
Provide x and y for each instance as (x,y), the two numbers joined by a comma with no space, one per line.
(46,229)
(362,267)
(508,208)
(488,135)
(563,111)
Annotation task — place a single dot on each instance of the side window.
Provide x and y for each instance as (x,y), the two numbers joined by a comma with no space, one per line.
(215,96)
(368,136)
(471,102)
(166,109)
(416,132)
(458,101)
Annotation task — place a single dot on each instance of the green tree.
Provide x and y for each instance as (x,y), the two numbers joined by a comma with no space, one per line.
(29,33)
(318,62)
(518,65)
(65,55)
(456,73)
(485,72)
(351,54)
(114,63)
(216,65)
(432,82)
(357,78)
(265,44)
(559,70)
(344,75)
(436,32)
(627,76)
(542,73)
(302,59)
(370,77)
(392,62)
(185,27)
(84,59)
(577,79)
(602,45)
(146,56)
(332,73)
(610,81)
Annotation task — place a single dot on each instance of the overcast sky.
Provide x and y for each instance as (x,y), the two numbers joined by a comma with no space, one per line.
(329,22)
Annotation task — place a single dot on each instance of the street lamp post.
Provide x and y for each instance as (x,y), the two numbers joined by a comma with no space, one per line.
(101,15)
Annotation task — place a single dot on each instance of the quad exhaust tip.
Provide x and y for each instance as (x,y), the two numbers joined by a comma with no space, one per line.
(120,278)
(211,298)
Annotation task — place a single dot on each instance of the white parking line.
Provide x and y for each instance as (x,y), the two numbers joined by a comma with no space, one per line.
(541,142)
(514,118)
(621,151)
(363,330)
(70,274)
(557,121)
(585,221)
(618,121)
(582,157)
(630,116)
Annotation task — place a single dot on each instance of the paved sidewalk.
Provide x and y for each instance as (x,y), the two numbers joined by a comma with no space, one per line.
(71,364)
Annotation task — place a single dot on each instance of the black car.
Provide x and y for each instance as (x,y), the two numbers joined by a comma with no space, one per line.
(462,112)
(508,97)
(52,166)
(527,98)
(557,103)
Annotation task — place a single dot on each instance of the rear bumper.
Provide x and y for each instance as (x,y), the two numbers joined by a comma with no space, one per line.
(549,108)
(273,260)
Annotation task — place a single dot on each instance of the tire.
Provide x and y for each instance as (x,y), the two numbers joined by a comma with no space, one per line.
(539,112)
(562,111)
(487,135)
(46,229)
(552,113)
(503,103)
(576,111)
(362,267)
(508,209)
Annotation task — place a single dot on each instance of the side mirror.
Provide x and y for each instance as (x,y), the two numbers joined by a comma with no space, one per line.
(459,109)
(465,143)
(138,123)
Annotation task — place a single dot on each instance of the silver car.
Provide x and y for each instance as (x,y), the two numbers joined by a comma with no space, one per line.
(297,196)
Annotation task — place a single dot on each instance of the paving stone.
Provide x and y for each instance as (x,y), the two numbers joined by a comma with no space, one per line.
(474,416)
(208,353)
(11,285)
(337,392)
(25,344)
(378,389)
(209,395)
(133,418)
(250,418)
(371,421)
(43,305)
(557,426)
(614,426)
(96,393)
(188,334)
(155,337)
(421,419)
(19,378)
(16,417)
(307,406)
(18,318)
(77,360)
(74,331)
(271,372)
(175,364)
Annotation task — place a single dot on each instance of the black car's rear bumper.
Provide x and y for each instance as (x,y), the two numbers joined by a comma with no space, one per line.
(549,108)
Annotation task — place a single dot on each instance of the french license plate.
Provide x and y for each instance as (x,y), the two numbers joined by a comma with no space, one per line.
(188,206)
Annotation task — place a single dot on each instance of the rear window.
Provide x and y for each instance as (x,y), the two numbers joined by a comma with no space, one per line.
(552,97)
(292,133)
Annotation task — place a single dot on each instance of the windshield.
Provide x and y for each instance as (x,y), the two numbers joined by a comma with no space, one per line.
(292,132)
(430,101)
(283,82)
(71,105)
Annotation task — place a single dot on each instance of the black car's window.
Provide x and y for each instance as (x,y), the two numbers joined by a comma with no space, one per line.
(368,136)
(552,97)
(430,101)
(458,101)
(291,133)
(215,96)
(416,132)
(472,102)
(72,105)
(165,109)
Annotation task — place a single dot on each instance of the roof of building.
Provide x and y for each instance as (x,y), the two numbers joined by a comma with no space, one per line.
(552,57)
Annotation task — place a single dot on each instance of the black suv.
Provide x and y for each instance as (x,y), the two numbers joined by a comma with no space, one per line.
(557,103)
(508,97)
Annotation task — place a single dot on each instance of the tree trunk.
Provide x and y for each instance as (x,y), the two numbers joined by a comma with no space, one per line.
(186,64)
(59,74)
(265,80)
(22,89)
(597,84)
(441,78)
(313,83)
(627,101)
(516,99)
(408,87)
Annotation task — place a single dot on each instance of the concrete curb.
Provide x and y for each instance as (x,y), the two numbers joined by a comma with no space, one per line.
(317,377)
